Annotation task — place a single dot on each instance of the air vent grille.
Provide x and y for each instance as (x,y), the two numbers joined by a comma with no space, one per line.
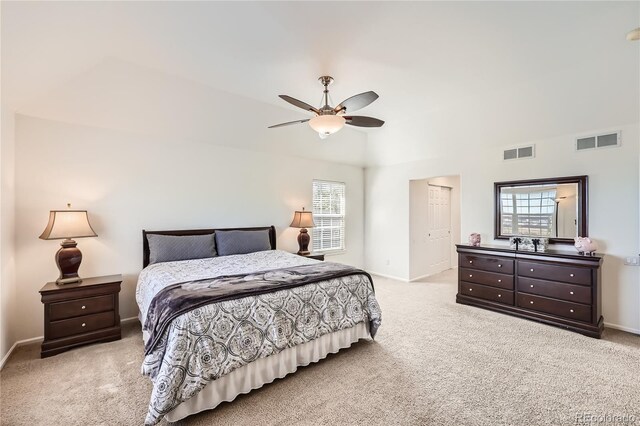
(519,152)
(598,141)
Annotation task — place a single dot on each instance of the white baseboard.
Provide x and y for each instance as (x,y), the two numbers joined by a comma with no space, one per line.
(622,328)
(392,277)
(15,345)
(420,277)
(130,319)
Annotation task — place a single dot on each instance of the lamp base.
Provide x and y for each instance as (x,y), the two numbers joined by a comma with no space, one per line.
(303,242)
(68,259)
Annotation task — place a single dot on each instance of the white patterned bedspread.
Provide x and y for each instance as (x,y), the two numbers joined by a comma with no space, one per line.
(209,342)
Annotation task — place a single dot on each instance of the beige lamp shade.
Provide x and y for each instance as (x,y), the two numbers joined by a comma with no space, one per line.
(68,224)
(302,219)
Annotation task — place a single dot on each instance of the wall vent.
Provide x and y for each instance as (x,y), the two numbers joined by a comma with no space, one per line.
(606,140)
(519,152)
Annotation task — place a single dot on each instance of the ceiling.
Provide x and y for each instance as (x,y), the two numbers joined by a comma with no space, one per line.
(445,71)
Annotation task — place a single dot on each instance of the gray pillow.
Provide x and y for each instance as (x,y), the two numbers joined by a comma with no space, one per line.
(242,242)
(169,248)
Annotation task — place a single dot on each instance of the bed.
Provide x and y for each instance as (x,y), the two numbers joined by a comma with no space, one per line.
(217,327)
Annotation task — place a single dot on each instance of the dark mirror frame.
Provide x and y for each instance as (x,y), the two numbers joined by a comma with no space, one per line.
(583,210)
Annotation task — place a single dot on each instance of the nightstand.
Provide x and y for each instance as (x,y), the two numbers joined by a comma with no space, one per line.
(316,256)
(80,313)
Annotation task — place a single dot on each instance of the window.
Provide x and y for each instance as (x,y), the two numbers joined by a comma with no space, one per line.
(528,211)
(328,214)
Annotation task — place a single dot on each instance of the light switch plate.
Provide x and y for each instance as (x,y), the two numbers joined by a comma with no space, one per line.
(632,261)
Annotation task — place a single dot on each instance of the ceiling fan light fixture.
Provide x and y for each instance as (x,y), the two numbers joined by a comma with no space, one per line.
(327,124)
(634,35)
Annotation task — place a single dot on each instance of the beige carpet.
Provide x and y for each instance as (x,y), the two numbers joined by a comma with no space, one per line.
(434,362)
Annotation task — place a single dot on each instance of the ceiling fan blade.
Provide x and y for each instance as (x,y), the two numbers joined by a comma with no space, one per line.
(289,123)
(356,102)
(360,121)
(305,106)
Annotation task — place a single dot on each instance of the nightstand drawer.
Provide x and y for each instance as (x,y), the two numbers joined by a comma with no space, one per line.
(78,307)
(79,325)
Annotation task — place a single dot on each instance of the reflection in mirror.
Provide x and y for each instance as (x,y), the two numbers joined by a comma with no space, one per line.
(549,210)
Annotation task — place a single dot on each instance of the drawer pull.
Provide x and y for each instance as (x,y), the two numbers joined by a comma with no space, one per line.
(83,307)
(531,302)
(571,310)
(470,289)
(571,275)
(531,285)
(499,281)
(499,295)
(470,276)
(471,261)
(570,292)
(499,266)
(531,269)
(84,324)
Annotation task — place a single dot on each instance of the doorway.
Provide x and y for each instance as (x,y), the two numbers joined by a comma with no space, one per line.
(434,225)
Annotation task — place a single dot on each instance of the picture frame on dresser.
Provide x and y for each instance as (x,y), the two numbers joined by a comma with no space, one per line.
(553,287)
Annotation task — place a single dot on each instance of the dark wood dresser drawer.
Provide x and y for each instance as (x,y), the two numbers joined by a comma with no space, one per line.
(487,263)
(78,307)
(569,310)
(487,293)
(547,271)
(84,324)
(569,292)
(487,278)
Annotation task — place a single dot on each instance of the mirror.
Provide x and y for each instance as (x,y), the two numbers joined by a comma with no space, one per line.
(554,208)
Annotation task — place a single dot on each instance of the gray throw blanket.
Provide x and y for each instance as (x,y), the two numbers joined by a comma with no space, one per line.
(176,299)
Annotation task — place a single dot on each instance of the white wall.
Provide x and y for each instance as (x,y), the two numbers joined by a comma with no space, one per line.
(7,237)
(129,182)
(613,207)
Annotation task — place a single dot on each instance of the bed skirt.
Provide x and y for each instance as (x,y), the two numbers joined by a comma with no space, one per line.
(266,370)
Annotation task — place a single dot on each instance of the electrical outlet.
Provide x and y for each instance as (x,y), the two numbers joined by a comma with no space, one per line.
(632,261)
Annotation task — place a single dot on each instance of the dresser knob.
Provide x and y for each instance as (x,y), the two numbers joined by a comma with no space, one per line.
(531,269)
(499,295)
(571,275)
(571,310)
(570,292)
(499,281)
(471,261)
(470,289)
(531,286)
(83,307)
(470,276)
(83,324)
(499,266)
(531,302)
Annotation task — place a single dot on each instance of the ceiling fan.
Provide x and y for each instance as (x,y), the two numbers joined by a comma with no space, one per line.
(330,119)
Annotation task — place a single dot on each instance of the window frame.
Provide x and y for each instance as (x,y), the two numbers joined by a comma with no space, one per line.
(330,251)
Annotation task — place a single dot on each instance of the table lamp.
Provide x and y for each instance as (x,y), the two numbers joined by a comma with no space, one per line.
(66,225)
(303,220)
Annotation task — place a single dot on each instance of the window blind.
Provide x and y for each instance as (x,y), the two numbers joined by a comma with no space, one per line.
(328,215)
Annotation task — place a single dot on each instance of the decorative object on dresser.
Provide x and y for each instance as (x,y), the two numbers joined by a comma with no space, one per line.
(66,225)
(555,287)
(529,243)
(316,256)
(474,239)
(585,245)
(553,208)
(80,313)
(303,220)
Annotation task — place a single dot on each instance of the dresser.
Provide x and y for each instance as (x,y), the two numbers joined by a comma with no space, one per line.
(557,288)
(80,313)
